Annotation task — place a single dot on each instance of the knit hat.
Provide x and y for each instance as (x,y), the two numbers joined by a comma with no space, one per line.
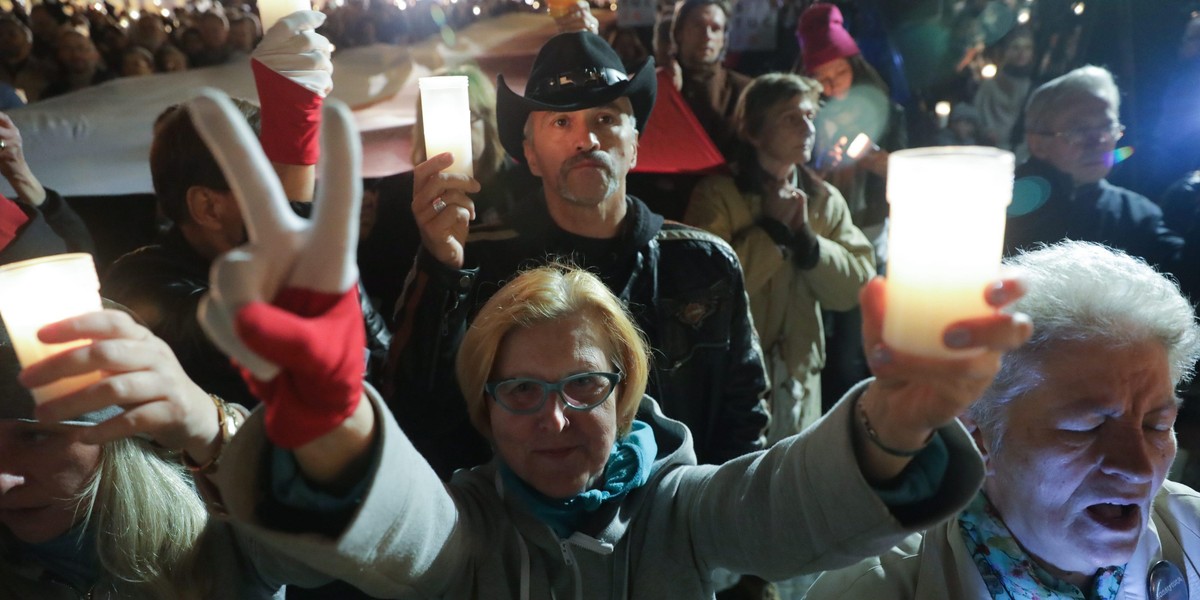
(823,37)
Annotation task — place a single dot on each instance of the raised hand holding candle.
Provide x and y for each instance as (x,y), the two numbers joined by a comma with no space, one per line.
(945,237)
(271,11)
(446,121)
(35,293)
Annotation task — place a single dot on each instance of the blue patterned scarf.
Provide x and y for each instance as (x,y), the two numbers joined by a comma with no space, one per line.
(1011,573)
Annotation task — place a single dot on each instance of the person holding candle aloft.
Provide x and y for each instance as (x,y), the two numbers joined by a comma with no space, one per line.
(577,130)
(1077,435)
(88,511)
(387,250)
(794,237)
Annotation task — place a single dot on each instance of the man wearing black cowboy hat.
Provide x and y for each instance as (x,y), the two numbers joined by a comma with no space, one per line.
(576,128)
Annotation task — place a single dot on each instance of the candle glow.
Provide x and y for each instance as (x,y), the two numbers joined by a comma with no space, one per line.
(945,237)
(35,293)
(446,121)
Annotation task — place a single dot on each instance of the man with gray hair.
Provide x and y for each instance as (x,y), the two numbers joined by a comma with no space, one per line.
(1072,125)
(1077,434)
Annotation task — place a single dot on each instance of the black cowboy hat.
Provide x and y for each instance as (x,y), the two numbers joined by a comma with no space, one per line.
(573,71)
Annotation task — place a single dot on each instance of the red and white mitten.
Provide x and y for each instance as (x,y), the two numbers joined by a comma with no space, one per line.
(293,73)
(284,306)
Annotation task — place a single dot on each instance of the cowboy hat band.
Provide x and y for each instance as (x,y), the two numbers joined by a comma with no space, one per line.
(573,71)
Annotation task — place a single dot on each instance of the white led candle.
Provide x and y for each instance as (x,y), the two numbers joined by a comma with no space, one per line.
(271,11)
(446,121)
(945,237)
(35,293)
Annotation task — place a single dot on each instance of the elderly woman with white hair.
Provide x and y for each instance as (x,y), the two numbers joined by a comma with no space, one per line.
(1077,435)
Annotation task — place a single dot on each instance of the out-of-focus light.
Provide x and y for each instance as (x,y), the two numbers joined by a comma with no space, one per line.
(98,6)
(1023,16)
(453,1)
(133,15)
(476,11)
(988,71)
(165,13)
(124,23)
(536,5)
(612,7)
(942,109)
(860,143)
(1077,8)
(402,5)
(1121,154)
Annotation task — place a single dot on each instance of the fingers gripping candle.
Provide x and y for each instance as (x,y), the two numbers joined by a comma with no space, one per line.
(446,120)
(945,237)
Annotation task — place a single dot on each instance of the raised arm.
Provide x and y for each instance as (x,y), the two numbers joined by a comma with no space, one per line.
(284,305)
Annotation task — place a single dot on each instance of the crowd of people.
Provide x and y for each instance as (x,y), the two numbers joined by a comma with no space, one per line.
(527,383)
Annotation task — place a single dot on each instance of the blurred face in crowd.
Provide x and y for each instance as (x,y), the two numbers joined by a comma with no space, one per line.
(1083,453)
(172,59)
(836,77)
(14,43)
(214,31)
(1079,139)
(243,35)
(583,156)
(76,53)
(788,131)
(701,37)
(135,64)
(43,468)
(149,32)
(42,23)
(558,451)
(1019,52)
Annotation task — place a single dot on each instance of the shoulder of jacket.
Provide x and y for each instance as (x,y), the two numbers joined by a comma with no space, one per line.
(674,231)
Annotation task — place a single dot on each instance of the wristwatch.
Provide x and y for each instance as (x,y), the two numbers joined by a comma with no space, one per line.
(229,420)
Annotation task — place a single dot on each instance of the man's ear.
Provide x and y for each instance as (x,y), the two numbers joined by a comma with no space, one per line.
(206,207)
(637,138)
(981,442)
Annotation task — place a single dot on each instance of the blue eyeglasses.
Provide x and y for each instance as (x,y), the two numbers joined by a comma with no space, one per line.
(582,392)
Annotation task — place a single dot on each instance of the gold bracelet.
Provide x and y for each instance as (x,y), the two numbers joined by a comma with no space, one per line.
(874,436)
(223,422)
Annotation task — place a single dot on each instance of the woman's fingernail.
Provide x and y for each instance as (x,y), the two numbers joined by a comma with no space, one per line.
(998,293)
(880,355)
(956,337)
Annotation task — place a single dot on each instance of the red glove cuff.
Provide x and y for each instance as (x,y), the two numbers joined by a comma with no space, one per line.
(12,219)
(291,117)
(317,339)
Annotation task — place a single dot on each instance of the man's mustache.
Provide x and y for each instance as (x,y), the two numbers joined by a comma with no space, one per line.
(594,156)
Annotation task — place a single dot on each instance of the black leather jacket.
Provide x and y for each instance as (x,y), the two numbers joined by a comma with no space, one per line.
(163,285)
(683,285)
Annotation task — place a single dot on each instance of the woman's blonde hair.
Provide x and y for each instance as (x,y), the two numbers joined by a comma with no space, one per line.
(551,293)
(148,520)
(481,95)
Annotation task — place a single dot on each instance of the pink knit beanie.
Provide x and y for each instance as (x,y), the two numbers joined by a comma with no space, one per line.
(823,37)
